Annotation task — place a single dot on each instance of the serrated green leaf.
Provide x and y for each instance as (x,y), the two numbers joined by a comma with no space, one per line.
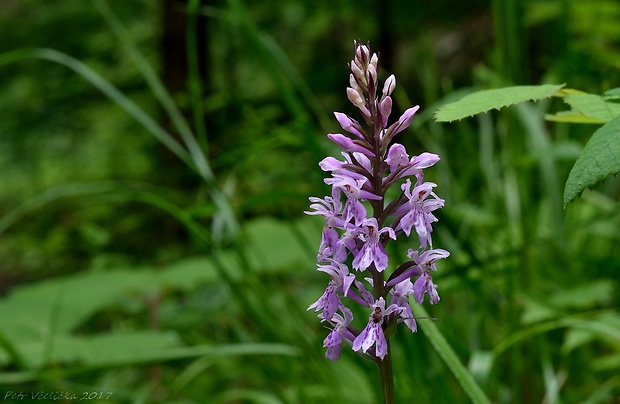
(486,100)
(593,106)
(600,159)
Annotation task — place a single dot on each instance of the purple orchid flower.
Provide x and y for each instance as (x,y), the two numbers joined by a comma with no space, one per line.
(424,284)
(340,282)
(353,208)
(397,157)
(417,164)
(357,229)
(373,333)
(329,208)
(372,250)
(417,211)
(333,341)
(400,297)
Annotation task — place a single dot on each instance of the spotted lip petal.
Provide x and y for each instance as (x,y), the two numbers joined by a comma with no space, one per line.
(333,341)
(373,333)
(400,294)
(416,212)
(373,250)
(424,284)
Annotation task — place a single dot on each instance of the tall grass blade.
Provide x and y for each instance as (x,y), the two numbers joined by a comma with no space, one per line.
(446,352)
(105,87)
(159,91)
(193,66)
(225,223)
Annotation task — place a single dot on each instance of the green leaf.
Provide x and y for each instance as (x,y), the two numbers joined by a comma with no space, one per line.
(605,325)
(575,338)
(593,106)
(607,363)
(486,100)
(535,311)
(600,159)
(572,116)
(60,305)
(612,95)
(272,244)
(127,349)
(98,350)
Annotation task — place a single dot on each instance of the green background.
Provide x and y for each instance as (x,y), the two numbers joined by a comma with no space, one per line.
(119,273)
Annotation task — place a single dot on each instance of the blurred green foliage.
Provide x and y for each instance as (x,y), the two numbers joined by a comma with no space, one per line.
(111,273)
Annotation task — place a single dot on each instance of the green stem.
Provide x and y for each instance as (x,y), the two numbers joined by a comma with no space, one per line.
(387,377)
(375,127)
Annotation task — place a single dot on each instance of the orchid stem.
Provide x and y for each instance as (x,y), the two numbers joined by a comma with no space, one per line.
(387,377)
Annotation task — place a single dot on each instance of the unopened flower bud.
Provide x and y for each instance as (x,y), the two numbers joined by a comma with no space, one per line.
(358,73)
(353,84)
(355,97)
(385,107)
(375,61)
(347,144)
(372,75)
(362,53)
(330,164)
(405,120)
(348,124)
(389,85)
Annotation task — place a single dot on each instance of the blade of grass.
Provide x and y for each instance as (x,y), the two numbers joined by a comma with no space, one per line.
(539,140)
(277,53)
(537,329)
(113,189)
(105,87)
(210,351)
(226,221)
(223,224)
(15,357)
(159,91)
(446,352)
(275,59)
(50,196)
(195,84)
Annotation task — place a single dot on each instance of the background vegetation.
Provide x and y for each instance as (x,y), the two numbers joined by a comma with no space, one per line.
(123,268)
